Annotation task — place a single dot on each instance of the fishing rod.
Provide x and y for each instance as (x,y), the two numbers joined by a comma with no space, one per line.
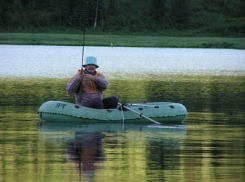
(84,30)
(83,46)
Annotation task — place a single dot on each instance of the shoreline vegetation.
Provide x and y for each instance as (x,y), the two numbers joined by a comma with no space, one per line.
(124,23)
(119,40)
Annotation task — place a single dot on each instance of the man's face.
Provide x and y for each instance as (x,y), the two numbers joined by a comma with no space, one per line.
(90,68)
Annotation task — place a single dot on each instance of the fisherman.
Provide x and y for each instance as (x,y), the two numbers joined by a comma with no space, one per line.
(88,86)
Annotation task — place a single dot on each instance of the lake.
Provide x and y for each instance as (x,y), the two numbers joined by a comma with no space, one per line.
(208,146)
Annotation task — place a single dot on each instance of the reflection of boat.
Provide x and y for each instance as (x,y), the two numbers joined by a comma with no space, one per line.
(163,112)
(91,147)
(53,131)
(53,126)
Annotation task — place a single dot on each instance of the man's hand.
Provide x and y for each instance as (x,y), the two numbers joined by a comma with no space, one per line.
(89,77)
(79,76)
(80,72)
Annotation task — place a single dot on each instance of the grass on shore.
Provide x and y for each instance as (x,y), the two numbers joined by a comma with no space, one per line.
(120,40)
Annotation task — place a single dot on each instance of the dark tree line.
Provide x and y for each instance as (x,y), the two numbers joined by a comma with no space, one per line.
(227,16)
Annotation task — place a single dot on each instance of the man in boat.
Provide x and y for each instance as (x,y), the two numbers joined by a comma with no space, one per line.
(88,86)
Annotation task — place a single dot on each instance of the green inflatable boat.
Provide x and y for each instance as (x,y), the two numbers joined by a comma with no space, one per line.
(151,112)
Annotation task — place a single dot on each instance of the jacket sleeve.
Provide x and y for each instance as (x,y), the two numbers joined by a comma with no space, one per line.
(101,82)
(73,86)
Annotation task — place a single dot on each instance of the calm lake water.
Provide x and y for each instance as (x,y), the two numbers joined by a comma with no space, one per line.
(208,146)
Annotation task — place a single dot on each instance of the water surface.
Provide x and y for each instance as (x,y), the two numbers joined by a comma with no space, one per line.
(208,146)
(63,61)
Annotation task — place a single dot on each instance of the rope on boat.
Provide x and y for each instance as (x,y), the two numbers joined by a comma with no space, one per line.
(122,116)
(56,113)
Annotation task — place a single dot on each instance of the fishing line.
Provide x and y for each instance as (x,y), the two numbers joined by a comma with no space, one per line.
(107,25)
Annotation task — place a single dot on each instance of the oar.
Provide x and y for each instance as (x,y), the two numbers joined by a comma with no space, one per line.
(140,114)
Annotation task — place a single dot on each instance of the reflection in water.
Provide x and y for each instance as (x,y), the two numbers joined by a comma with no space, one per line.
(86,150)
(139,153)
(136,149)
(82,144)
